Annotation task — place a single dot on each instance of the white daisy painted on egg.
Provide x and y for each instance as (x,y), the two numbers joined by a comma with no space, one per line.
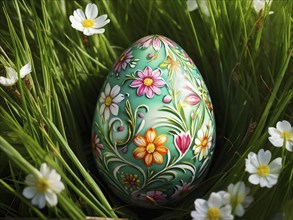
(109,101)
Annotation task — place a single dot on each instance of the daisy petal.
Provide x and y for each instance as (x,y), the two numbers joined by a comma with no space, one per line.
(7,82)
(115,91)
(29,192)
(79,15)
(274,132)
(254,179)
(114,108)
(26,69)
(91,11)
(283,126)
(201,205)
(277,142)
(264,157)
(51,198)
(214,201)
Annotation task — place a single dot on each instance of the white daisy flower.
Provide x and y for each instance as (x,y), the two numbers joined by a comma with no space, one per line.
(12,76)
(109,101)
(192,5)
(43,188)
(262,171)
(216,207)
(259,5)
(88,22)
(282,135)
(239,198)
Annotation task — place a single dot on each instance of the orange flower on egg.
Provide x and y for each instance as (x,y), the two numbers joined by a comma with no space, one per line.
(150,147)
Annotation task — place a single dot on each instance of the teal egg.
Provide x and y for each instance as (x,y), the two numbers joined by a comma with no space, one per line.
(153,133)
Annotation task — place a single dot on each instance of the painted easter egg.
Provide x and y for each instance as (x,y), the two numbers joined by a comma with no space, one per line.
(154,127)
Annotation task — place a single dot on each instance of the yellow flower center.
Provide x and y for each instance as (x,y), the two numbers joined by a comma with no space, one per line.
(122,58)
(151,148)
(237,199)
(286,135)
(174,64)
(204,142)
(88,23)
(108,101)
(42,185)
(263,170)
(148,81)
(214,214)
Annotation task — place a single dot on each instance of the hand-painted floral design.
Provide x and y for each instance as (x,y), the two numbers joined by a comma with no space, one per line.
(150,147)
(96,145)
(149,82)
(188,57)
(159,143)
(198,93)
(171,64)
(182,142)
(154,197)
(282,135)
(150,41)
(155,41)
(181,190)
(126,59)
(193,96)
(203,142)
(109,100)
(192,99)
(209,104)
(167,99)
(131,181)
(263,172)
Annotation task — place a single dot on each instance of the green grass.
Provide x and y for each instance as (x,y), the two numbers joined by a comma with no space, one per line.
(244,57)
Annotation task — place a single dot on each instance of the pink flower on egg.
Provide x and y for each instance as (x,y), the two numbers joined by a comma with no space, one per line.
(123,61)
(155,41)
(96,145)
(153,196)
(181,190)
(182,142)
(148,41)
(192,99)
(149,82)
